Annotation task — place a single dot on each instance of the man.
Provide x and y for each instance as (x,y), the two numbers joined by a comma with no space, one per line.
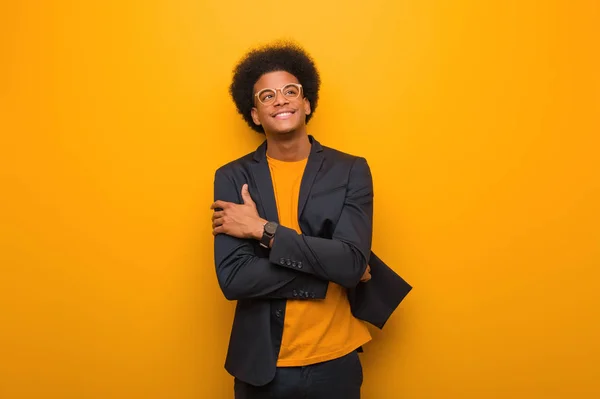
(293,224)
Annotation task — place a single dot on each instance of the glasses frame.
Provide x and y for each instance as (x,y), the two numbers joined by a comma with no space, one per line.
(297,85)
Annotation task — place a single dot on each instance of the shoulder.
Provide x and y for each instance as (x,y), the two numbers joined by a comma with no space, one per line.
(236,166)
(343,158)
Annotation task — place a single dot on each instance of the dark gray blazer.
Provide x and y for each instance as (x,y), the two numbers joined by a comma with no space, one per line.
(335,214)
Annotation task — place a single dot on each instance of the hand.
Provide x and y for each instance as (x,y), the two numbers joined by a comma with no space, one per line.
(367,275)
(238,220)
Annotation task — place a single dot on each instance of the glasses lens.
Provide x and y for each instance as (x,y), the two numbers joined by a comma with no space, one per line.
(266,96)
(291,91)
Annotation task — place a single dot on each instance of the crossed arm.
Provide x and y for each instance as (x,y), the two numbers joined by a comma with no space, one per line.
(293,260)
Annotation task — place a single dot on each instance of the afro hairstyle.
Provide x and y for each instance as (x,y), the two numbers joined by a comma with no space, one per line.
(279,56)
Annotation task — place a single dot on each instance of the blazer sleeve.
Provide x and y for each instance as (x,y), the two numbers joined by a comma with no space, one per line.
(244,274)
(376,300)
(343,258)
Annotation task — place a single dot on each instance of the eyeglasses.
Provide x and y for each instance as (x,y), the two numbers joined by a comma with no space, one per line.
(290,91)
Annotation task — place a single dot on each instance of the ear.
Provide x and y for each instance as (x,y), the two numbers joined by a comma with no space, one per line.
(307,109)
(254,113)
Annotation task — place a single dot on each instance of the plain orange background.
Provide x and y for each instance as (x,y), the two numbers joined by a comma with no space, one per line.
(480,121)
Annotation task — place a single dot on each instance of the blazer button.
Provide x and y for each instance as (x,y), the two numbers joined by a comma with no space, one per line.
(299,265)
(312,294)
(293,264)
(301,292)
(282,261)
(295,293)
(306,295)
(278,313)
(289,262)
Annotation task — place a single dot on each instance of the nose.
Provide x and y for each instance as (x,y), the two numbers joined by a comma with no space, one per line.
(280,99)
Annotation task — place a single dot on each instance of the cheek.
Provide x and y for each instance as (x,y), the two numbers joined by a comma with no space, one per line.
(267,118)
(262,116)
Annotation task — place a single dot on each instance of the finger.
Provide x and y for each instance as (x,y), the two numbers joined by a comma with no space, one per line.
(246,195)
(218,222)
(220,204)
(218,214)
(218,230)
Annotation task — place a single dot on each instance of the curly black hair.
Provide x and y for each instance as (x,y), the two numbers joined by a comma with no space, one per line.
(279,56)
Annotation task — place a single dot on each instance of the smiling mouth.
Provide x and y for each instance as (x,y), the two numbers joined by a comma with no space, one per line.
(283,115)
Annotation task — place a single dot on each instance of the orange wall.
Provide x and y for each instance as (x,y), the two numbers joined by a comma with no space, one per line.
(480,121)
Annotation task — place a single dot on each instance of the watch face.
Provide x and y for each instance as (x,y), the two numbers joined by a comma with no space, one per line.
(270,228)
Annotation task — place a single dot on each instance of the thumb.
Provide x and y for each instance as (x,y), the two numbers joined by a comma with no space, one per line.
(246,195)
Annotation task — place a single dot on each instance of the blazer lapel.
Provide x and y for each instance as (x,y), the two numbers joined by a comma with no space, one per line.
(264,184)
(262,178)
(315,160)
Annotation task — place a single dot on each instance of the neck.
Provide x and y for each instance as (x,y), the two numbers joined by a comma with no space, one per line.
(289,147)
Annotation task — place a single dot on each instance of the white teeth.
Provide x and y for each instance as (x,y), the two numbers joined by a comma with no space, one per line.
(284,114)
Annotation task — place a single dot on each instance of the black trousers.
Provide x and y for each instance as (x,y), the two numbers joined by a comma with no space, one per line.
(335,379)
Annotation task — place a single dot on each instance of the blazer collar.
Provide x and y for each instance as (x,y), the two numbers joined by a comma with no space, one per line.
(262,177)
(260,154)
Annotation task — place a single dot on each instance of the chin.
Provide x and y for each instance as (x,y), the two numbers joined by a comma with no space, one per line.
(281,130)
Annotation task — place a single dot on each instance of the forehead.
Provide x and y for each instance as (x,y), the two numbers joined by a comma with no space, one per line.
(274,80)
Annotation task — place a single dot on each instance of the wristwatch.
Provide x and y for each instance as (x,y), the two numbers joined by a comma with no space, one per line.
(268,233)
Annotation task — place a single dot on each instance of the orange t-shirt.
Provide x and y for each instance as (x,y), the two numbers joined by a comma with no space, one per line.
(314,330)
